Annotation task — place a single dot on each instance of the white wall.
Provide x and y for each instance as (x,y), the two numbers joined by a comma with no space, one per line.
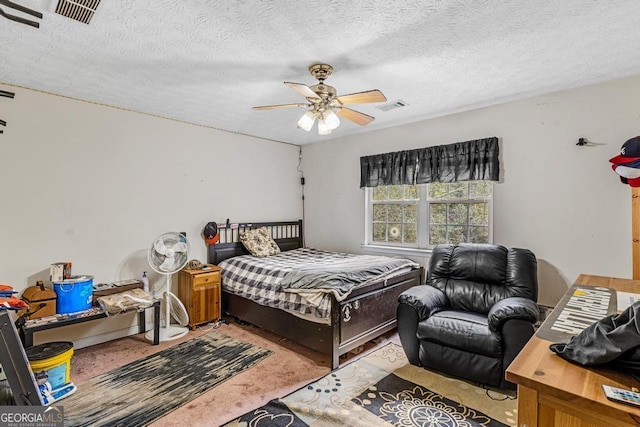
(560,200)
(95,185)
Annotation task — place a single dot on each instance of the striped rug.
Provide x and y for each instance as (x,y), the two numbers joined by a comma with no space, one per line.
(142,391)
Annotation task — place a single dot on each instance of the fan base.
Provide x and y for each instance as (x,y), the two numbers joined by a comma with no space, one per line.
(321,71)
(168,333)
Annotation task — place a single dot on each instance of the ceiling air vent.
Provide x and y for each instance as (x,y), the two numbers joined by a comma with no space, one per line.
(392,105)
(80,10)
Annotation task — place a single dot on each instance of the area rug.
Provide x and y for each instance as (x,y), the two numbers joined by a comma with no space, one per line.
(142,391)
(382,389)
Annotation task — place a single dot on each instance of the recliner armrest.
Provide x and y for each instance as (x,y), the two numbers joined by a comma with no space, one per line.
(425,299)
(512,308)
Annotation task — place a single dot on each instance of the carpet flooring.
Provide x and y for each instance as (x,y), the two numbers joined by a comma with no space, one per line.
(383,389)
(146,389)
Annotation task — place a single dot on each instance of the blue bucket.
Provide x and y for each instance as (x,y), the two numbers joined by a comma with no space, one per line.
(74,294)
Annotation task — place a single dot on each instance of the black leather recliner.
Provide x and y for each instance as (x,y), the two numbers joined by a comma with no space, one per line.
(475,313)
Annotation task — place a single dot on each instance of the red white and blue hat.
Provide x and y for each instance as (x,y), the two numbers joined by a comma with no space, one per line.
(630,152)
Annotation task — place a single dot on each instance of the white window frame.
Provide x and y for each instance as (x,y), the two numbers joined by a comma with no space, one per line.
(422,246)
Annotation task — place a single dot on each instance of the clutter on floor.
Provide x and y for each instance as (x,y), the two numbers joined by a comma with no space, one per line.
(51,367)
(51,363)
(68,297)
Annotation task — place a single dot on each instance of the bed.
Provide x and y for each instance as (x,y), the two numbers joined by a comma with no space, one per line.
(337,323)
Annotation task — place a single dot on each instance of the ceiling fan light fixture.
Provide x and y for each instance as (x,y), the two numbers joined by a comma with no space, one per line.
(306,121)
(323,127)
(331,119)
(323,102)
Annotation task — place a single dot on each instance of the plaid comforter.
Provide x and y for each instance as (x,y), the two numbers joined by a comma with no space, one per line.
(259,279)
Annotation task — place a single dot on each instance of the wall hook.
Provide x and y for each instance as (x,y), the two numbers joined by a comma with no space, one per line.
(584,142)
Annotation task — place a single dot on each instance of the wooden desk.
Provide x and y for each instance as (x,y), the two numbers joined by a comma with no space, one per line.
(554,392)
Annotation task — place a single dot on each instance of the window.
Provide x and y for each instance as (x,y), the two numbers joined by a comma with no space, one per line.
(422,216)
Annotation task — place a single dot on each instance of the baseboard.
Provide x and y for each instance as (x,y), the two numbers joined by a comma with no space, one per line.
(110,336)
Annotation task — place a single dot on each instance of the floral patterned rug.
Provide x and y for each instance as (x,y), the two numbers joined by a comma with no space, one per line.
(382,389)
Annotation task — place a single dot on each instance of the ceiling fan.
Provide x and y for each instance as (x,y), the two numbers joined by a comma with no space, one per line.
(324,104)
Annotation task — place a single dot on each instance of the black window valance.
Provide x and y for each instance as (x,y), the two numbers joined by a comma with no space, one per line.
(475,160)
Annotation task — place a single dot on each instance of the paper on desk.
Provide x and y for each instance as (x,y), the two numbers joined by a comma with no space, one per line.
(625,299)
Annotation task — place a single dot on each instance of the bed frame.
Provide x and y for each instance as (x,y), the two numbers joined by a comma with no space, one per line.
(366,314)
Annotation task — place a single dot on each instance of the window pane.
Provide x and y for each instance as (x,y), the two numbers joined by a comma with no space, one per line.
(480,189)
(379,212)
(380,232)
(458,190)
(457,234)
(457,213)
(438,213)
(479,213)
(411,213)
(410,233)
(437,190)
(395,192)
(395,213)
(380,193)
(479,234)
(395,232)
(437,234)
(411,192)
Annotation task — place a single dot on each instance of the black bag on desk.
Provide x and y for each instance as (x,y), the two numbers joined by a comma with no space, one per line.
(612,342)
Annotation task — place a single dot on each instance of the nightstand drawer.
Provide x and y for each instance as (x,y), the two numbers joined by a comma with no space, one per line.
(206,279)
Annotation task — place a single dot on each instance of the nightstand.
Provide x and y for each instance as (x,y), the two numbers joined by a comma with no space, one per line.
(199,291)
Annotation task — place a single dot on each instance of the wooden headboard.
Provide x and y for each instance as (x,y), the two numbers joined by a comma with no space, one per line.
(287,234)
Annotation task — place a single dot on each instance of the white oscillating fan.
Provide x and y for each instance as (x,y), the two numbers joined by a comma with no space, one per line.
(168,254)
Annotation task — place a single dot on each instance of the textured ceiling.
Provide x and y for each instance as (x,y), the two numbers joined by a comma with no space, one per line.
(208,62)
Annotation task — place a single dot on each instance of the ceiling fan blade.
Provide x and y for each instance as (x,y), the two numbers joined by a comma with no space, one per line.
(303,90)
(355,116)
(271,107)
(362,97)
